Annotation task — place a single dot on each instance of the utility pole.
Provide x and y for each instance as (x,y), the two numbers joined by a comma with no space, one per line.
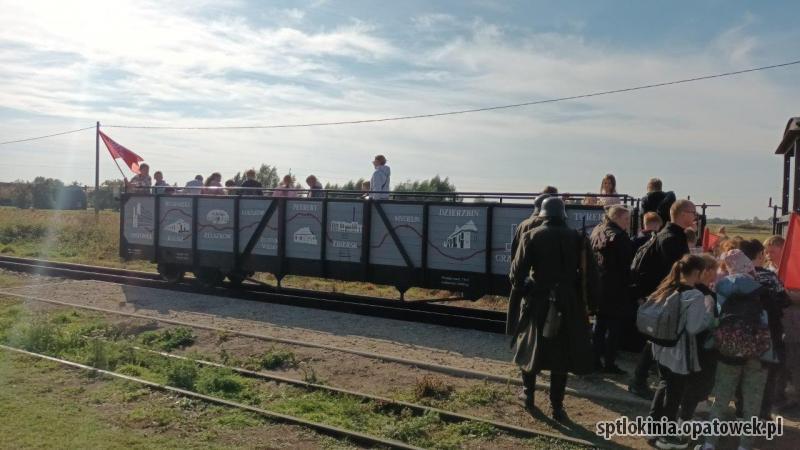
(97,170)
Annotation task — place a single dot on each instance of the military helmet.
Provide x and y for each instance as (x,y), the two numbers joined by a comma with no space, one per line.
(553,207)
(537,202)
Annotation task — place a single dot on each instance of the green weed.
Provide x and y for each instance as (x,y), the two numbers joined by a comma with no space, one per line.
(237,420)
(38,336)
(274,359)
(217,381)
(414,428)
(168,339)
(479,395)
(182,374)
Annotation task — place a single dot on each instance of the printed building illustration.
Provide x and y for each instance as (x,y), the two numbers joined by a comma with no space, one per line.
(137,212)
(462,236)
(305,236)
(346,227)
(179,226)
(218,217)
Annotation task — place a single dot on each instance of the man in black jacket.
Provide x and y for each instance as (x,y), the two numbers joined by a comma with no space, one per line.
(658,201)
(614,252)
(563,276)
(670,245)
(531,222)
(250,184)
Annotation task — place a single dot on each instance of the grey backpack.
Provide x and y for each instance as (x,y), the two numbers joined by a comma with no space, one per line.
(659,321)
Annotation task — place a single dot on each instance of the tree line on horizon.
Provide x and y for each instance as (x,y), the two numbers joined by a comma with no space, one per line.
(52,193)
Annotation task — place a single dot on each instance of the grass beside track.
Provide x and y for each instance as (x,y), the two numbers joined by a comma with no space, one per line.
(88,338)
(88,412)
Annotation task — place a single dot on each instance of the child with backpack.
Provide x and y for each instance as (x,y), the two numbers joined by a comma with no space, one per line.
(774,302)
(700,384)
(741,338)
(671,318)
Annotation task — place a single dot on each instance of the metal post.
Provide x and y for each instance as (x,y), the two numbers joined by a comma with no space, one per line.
(775,219)
(796,193)
(787,166)
(703,222)
(97,169)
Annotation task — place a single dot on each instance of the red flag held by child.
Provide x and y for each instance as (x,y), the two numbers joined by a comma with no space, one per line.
(789,271)
(117,151)
(710,240)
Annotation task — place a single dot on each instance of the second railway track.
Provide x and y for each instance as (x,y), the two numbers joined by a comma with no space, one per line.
(422,312)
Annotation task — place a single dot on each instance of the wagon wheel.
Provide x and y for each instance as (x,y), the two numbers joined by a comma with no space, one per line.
(236,279)
(170,273)
(209,277)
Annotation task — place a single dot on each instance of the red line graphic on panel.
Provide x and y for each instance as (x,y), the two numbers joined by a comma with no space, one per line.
(430,244)
(245,227)
(213,227)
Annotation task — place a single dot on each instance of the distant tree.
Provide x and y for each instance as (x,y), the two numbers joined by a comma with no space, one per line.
(22,194)
(435,184)
(45,192)
(105,196)
(352,185)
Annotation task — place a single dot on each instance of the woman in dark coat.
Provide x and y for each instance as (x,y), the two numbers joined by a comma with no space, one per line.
(561,268)
(613,250)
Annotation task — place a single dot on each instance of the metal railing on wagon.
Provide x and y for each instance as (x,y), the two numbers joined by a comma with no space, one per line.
(458,241)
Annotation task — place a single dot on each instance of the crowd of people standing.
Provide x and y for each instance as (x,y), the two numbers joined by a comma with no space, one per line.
(377,188)
(717,297)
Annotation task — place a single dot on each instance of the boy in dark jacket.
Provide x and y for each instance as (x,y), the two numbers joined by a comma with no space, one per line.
(670,246)
(652,223)
(658,201)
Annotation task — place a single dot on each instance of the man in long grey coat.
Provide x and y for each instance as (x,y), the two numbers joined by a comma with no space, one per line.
(553,267)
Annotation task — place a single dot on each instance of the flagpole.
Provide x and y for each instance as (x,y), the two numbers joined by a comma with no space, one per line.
(120,168)
(97,169)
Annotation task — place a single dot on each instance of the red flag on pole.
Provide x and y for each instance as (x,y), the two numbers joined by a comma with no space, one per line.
(789,271)
(710,240)
(117,151)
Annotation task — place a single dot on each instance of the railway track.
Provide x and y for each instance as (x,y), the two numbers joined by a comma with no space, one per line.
(423,312)
(428,366)
(386,404)
(362,438)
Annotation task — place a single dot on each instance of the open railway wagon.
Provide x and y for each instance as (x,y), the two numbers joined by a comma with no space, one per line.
(458,242)
(789,148)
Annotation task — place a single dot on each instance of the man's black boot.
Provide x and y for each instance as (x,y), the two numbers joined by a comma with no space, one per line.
(528,390)
(560,414)
(558,386)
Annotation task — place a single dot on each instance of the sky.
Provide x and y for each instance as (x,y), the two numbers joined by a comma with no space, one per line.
(67,65)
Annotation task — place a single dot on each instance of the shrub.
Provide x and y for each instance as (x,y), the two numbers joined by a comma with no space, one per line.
(274,359)
(218,381)
(39,337)
(182,374)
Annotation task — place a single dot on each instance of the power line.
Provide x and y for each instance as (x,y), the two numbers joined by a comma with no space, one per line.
(465,111)
(423,116)
(46,136)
